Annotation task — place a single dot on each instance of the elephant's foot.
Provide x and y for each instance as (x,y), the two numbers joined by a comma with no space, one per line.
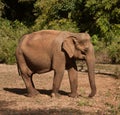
(91,95)
(32,93)
(53,95)
(73,95)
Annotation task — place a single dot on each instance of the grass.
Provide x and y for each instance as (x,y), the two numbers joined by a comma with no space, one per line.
(84,102)
(113,110)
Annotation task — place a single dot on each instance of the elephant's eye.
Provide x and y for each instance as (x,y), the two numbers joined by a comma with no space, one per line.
(81,43)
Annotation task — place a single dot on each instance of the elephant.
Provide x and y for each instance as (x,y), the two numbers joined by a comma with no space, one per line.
(46,50)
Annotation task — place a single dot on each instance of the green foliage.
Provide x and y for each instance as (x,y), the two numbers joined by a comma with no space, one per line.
(41,10)
(10,33)
(1,8)
(103,16)
(100,18)
(54,14)
(114,51)
(7,51)
(62,24)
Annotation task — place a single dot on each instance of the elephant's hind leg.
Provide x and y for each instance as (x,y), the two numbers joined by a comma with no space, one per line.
(31,91)
(26,74)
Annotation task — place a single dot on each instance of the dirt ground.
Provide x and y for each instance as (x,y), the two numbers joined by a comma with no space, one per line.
(14,102)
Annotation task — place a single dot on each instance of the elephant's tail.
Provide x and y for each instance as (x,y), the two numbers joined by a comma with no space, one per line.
(18,68)
(17,61)
(21,63)
(20,58)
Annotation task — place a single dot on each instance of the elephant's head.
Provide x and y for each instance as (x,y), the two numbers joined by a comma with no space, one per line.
(79,46)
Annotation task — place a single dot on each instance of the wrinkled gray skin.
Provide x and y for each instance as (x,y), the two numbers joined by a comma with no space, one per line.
(47,50)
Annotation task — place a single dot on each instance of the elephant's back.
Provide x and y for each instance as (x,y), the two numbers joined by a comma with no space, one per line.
(35,39)
(44,34)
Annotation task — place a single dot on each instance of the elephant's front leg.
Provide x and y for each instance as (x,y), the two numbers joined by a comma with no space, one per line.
(29,85)
(58,75)
(73,78)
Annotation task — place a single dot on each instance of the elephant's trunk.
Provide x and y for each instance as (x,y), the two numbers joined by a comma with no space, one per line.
(90,61)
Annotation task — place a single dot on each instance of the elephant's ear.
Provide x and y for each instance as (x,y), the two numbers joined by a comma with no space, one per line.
(68,46)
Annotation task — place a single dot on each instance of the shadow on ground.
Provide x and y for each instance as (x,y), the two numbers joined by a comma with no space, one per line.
(45,112)
(5,110)
(22,91)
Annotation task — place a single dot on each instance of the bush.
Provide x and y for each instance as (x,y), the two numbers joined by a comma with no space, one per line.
(100,50)
(63,24)
(7,51)
(114,51)
(10,34)
(107,52)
